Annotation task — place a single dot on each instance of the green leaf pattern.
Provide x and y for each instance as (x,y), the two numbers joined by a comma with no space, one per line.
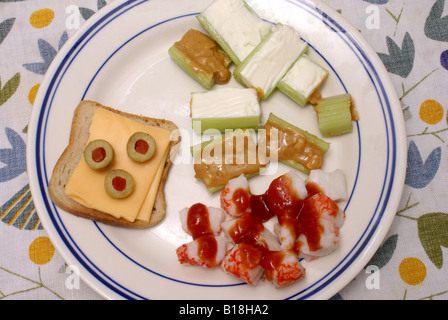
(9,88)
(433,234)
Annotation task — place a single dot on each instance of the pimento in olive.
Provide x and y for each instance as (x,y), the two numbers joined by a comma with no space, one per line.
(141,147)
(118,183)
(98,154)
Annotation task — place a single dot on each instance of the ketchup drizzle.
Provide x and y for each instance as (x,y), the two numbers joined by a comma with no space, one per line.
(246,229)
(207,248)
(285,203)
(308,224)
(281,200)
(260,208)
(198,223)
(301,216)
(241,199)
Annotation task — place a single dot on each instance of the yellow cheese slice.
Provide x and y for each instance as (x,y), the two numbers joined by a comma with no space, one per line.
(86,186)
(148,204)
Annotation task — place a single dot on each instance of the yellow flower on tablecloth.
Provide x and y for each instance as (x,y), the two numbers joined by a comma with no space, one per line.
(41,250)
(41,18)
(33,92)
(412,271)
(431,112)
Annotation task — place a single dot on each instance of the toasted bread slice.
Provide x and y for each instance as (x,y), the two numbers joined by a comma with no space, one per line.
(71,156)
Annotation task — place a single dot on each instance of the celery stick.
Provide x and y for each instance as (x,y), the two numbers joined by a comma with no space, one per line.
(293,94)
(207,81)
(234,26)
(323,145)
(302,80)
(296,166)
(303,152)
(334,115)
(342,98)
(221,124)
(267,64)
(227,108)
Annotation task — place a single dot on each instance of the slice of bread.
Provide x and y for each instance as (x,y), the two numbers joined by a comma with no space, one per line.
(71,156)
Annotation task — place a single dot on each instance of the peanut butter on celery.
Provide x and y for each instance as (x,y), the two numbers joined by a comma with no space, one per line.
(203,55)
(294,146)
(315,97)
(228,158)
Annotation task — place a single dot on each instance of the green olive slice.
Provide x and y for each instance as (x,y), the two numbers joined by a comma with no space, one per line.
(119,183)
(98,154)
(141,147)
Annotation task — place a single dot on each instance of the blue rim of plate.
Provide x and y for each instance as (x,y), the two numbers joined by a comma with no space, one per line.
(119,289)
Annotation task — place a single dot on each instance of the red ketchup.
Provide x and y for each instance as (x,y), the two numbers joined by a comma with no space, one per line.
(284,202)
(198,224)
(279,200)
(241,200)
(308,224)
(300,216)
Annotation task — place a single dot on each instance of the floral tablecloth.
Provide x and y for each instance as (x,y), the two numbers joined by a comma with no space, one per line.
(411,38)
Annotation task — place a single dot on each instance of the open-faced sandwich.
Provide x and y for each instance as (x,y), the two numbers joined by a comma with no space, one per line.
(114,167)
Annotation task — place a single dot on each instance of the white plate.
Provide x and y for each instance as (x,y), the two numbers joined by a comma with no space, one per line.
(119,58)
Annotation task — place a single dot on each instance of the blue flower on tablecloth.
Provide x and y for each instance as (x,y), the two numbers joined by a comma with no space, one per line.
(444,59)
(384,253)
(86,13)
(418,173)
(399,61)
(5,27)
(436,26)
(13,158)
(47,52)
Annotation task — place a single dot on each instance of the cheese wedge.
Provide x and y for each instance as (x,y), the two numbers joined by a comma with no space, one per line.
(148,205)
(86,186)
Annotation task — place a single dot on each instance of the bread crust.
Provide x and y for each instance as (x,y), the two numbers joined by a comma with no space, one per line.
(72,154)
